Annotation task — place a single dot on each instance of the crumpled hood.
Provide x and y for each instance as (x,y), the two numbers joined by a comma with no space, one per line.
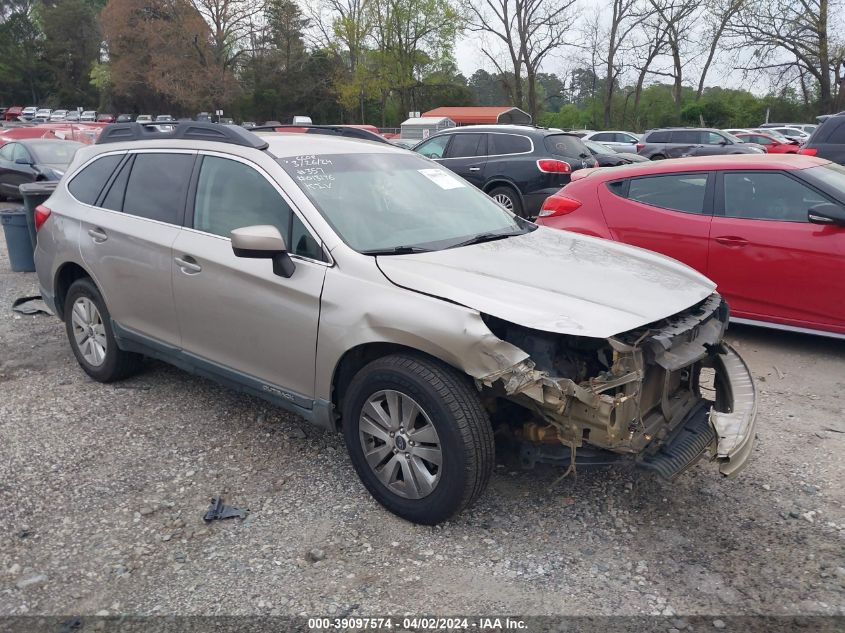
(555,281)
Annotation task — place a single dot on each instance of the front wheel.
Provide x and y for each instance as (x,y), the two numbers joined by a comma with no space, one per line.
(418,437)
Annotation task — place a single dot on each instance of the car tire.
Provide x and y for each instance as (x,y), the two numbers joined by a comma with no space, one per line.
(658,157)
(89,331)
(508,198)
(447,424)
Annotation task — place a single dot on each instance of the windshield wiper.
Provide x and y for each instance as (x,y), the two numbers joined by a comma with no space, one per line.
(486,237)
(397,250)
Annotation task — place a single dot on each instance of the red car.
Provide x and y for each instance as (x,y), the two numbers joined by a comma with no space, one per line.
(13,113)
(772,145)
(769,230)
(105,118)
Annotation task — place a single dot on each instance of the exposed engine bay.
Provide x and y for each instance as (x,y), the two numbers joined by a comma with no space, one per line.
(654,393)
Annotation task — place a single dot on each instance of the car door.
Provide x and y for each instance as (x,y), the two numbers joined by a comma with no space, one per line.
(127,239)
(466,156)
(769,261)
(711,144)
(235,312)
(7,169)
(666,213)
(684,143)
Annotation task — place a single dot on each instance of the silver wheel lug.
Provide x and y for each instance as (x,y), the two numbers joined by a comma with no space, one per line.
(413,443)
(392,434)
(407,455)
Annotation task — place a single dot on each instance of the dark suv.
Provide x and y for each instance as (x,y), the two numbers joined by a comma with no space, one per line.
(518,166)
(828,141)
(684,141)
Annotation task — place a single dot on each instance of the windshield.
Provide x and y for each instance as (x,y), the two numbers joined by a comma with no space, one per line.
(830,174)
(53,152)
(385,201)
(598,148)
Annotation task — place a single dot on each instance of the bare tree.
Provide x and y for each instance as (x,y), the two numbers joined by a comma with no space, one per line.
(229,21)
(720,13)
(530,30)
(652,44)
(679,18)
(779,34)
(625,18)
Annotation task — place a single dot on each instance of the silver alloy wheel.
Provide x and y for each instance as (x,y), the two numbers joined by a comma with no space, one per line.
(89,331)
(504,200)
(400,444)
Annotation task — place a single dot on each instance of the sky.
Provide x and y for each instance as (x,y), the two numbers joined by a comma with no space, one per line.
(469,58)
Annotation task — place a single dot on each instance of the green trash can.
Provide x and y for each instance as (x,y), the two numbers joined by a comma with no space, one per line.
(17,239)
(33,194)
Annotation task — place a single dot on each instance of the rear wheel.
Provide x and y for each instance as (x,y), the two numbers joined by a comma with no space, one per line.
(658,157)
(89,331)
(508,198)
(418,437)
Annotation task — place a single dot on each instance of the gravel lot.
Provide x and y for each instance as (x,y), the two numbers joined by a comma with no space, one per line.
(102,490)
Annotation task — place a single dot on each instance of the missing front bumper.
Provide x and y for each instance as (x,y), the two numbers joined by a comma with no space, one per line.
(734,425)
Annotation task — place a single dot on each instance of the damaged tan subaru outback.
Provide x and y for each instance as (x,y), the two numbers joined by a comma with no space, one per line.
(373,292)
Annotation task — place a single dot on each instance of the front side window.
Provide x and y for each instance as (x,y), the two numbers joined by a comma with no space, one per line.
(231,195)
(88,183)
(158,185)
(768,196)
(508,144)
(385,201)
(8,151)
(435,148)
(712,138)
(677,192)
(603,136)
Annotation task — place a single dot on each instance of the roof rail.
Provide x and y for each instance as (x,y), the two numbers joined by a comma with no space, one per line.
(334,130)
(182,130)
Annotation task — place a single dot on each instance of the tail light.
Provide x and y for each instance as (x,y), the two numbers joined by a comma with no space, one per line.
(640,146)
(41,215)
(808,151)
(552,166)
(558,205)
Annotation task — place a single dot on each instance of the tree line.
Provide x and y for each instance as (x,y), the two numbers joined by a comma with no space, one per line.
(622,63)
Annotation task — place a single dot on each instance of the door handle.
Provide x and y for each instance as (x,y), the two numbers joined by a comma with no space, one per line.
(188,264)
(732,240)
(475,168)
(98,235)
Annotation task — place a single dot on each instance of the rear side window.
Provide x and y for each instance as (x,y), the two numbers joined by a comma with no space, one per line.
(565,145)
(88,183)
(158,185)
(661,136)
(466,145)
(678,192)
(508,144)
(114,198)
(686,136)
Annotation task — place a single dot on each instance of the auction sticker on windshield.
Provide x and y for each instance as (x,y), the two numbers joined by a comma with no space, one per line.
(441,178)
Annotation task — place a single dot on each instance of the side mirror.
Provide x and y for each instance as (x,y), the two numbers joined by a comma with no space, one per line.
(263,242)
(827,213)
(723,142)
(23,161)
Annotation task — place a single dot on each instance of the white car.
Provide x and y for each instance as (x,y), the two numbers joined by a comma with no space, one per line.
(58,115)
(617,140)
(42,115)
(28,113)
(88,115)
